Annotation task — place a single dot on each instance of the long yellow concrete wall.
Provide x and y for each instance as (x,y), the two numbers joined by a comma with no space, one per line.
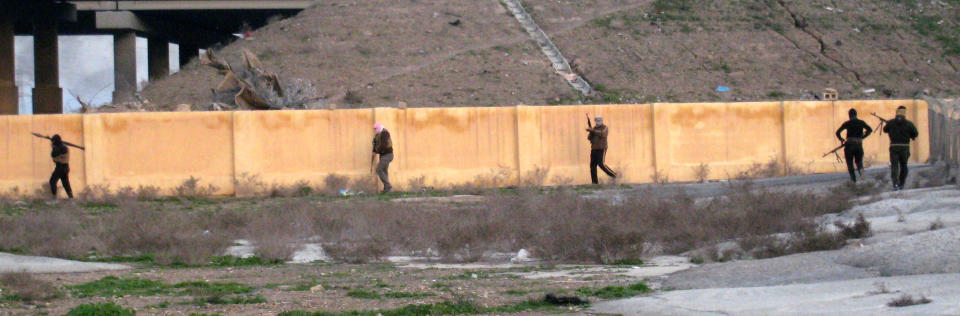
(440,146)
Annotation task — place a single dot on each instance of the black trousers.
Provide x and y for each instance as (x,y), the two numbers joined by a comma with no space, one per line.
(61,173)
(596,160)
(853,153)
(899,155)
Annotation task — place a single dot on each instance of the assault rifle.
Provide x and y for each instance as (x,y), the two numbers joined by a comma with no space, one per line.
(834,151)
(588,120)
(879,128)
(64,142)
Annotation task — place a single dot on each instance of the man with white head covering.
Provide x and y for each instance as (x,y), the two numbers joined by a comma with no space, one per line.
(598,149)
(383,146)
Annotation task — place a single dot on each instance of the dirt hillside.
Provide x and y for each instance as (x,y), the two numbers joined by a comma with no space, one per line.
(473,53)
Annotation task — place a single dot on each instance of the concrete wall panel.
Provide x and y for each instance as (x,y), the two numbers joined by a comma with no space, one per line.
(444,146)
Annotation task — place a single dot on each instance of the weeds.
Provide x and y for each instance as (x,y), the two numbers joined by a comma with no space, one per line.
(192,188)
(611,292)
(908,300)
(21,286)
(223,300)
(859,229)
(701,172)
(112,286)
(100,309)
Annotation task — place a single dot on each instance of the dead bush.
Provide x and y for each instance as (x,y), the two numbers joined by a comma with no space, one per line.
(280,231)
(363,251)
(535,178)
(773,168)
(333,183)
(908,300)
(368,184)
(701,172)
(192,188)
(63,233)
(417,184)
(247,184)
(22,286)
(492,179)
(859,229)
(170,237)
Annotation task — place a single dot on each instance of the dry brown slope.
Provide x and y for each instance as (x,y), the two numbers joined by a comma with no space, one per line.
(670,50)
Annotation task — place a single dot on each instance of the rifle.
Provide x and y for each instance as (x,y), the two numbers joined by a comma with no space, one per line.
(588,120)
(372,158)
(64,142)
(879,128)
(834,151)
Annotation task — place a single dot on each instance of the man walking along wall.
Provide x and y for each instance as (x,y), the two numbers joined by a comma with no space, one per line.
(597,135)
(857,131)
(901,131)
(383,146)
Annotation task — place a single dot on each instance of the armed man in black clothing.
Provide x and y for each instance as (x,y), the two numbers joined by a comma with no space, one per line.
(857,131)
(61,157)
(901,131)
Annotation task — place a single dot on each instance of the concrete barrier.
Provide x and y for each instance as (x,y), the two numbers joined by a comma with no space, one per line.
(441,146)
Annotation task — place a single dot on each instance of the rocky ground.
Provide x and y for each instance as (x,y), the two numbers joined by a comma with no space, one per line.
(914,250)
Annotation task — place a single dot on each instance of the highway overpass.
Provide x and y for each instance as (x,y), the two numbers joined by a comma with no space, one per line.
(192,24)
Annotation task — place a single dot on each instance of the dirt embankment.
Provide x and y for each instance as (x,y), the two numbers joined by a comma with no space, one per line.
(473,53)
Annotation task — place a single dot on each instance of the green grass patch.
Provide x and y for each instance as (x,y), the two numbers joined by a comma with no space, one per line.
(610,292)
(226,300)
(442,308)
(408,294)
(364,294)
(517,292)
(468,275)
(628,262)
(232,261)
(112,286)
(100,309)
(204,288)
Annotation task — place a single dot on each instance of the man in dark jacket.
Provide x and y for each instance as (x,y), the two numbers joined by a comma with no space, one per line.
(598,149)
(383,146)
(901,131)
(61,157)
(857,130)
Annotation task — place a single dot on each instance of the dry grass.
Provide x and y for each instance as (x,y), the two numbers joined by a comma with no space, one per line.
(908,300)
(192,188)
(23,287)
(701,172)
(558,225)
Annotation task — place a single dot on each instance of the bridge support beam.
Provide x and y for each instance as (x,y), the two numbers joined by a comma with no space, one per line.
(9,97)
(158,58)
(47,94)
(124,66)
(188,51)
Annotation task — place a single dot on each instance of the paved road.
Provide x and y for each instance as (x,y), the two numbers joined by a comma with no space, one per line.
(814,183)
(32,264)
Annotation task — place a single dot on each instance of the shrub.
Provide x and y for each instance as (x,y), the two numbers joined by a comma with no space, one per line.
(23,287)
(908,300)
(192,188)
(101,309)
(333,183)
(859,229)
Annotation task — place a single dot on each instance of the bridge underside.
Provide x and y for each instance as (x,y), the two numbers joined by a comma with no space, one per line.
(192,24)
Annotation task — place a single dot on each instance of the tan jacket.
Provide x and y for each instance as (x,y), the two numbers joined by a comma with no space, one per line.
(598,137)
(63,158)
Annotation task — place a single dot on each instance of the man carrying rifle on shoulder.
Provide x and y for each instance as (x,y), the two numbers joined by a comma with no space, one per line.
(901,131)
(598,148)
(61,158)
(857,130)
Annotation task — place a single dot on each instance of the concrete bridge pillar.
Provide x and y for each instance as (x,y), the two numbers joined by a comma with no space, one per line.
(124,66)
(188,51)
(8,86)
(47,94)
(158,58)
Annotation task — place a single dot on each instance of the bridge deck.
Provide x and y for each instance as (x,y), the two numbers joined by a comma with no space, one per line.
(156,5)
